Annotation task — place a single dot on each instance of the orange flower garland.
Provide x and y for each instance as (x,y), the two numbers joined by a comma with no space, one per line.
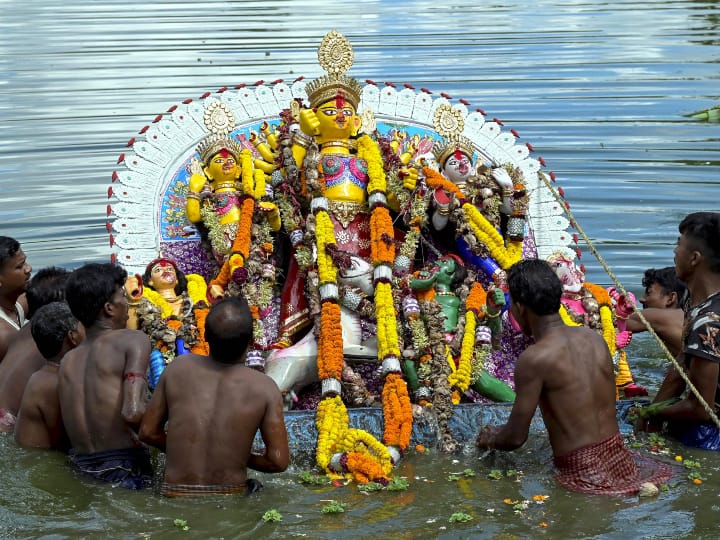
(382,236)
(436,180)
(201,347)
(397,411)
(330,345)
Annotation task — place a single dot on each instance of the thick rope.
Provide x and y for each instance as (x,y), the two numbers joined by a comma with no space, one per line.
(622,290)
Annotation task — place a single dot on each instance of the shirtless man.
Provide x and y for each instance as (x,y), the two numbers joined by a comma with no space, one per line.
(39,422)
(569,373)
(102,385)
(14,279)
(23,357)
(661,307)
(213,406)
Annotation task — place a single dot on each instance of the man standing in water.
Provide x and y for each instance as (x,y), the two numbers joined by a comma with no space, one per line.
(569,373)
(661,307)
(102,385)
(213,406)
(697,263)
(14,279)
(23,358)
(39,422)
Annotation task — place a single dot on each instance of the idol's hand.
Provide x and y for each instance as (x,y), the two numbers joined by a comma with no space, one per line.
(309,123)
(410,177)
(133,288)
(502,178)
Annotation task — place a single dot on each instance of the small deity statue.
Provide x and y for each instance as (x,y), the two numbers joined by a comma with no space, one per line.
(225,190)
(446,277)
(171,308)
(587,304)
(479,210)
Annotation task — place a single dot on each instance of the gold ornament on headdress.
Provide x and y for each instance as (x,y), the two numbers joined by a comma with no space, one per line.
(220,122)
(219,119)
(449,124)
(335,55)
(214,143)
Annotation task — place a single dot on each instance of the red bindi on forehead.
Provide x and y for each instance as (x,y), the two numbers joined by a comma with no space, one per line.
(458,154)
(339,100)
(224,153)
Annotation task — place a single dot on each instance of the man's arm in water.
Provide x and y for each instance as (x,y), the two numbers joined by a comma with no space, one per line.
(137,357)
(528,386)
(152,427)
(703,374)
(276,457)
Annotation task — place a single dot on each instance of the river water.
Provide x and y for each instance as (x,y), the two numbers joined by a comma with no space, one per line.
(599,89)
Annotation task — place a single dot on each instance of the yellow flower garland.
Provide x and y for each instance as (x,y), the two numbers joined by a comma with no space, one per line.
(488,235)
(608,328)
(565,316)
(461,376)
(159,301)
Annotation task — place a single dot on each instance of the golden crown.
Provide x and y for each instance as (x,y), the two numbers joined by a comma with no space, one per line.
(449,124)
(214,143)
(336,56)
(444,149)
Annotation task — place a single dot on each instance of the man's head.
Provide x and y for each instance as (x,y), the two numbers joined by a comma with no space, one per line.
(229,329)
(662,288)
(96,291)
(55,330)
(163,273)
(47,285)
(14,268)
(534,287)
(699,244)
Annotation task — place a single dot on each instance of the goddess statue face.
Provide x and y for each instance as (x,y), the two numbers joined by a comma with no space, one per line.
(458,168)
(223,167)
(163,276)
(338,120)
(570,275)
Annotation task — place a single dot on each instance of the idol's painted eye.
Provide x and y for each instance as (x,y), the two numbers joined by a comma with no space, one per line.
(330,112)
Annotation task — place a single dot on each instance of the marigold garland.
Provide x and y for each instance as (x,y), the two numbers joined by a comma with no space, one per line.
(461,376)
(436,180)
(602,297)
(397,411)
(201,347)
(566,317)
(330,344)
(488,235)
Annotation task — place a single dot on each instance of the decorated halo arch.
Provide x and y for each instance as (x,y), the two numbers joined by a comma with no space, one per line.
(146,214)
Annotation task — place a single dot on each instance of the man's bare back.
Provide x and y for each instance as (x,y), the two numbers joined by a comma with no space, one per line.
(213,407)
(577,399)
(21,361)
(209,436)
(40,424)
(103,390)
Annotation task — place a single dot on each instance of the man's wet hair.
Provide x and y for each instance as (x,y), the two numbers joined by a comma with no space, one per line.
(533,283)
(666,279)
(90,287)
(703,231)
(8,248)
(48,285)
(50,326)
(229,329)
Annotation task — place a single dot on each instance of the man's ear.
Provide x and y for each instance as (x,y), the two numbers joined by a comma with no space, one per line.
(672,300)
